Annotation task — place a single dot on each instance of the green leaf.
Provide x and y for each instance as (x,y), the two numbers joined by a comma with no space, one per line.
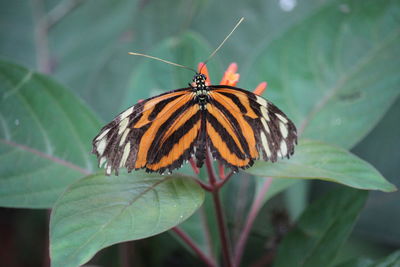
(392,260)
(378,222)
(275,187)
(316,160)
(45,138)
(321,229)
(99,211)
(297,199)
(361,262)
(90,48)
(335,73)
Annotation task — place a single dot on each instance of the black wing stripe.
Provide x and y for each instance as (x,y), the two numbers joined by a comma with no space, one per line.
(160,106)
(235,100)
(166,146)
(164,127)
(235,124)
(231,144)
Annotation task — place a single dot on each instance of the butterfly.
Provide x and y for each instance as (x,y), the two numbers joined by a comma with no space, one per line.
(159,134)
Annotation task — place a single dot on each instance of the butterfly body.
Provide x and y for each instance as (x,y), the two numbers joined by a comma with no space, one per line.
(161,133)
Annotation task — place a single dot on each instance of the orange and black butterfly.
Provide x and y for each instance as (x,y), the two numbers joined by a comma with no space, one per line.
(159,134)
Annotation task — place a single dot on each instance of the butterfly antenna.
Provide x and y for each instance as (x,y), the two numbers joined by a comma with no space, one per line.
(162,60)
(222,43)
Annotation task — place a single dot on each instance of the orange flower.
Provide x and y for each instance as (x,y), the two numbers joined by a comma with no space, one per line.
(231,77)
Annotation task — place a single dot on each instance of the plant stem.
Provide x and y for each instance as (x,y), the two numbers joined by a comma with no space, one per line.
(124,254)
(219,212)
(226,179)
(41,37)
(255,208)
(209,262)
(46,254)
(205,186)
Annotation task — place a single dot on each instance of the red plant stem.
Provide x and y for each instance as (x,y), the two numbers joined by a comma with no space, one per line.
(205,186)
(255,208)
(209,262)
(194,167)
(124,254)
(221,170)
(46,254)
(219,212)
(226,179)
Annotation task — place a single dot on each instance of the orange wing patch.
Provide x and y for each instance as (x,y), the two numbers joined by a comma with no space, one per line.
(149,136)
(178,148)
(243,125)
(223,150)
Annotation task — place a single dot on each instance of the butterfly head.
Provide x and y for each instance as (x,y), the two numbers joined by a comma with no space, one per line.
(199,81)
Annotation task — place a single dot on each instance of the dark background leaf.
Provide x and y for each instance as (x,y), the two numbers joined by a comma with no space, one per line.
(322,229)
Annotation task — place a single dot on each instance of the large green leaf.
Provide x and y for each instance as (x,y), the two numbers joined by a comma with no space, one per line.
(321,229)
(335,73)
(99,211)
(316,160)
(45,138)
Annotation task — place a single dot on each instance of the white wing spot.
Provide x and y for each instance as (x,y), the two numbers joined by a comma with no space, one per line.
(101,146)
(264,142)
(264,123)
(126,113)
(125,155)
(283,119)
(102,161)
(283,147)
(283,129)
(102,134)
(122,125)
(262,101)
(121,142)
(108,170)
(265,113)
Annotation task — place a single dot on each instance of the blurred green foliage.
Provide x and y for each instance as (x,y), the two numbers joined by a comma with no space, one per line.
(331,65)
